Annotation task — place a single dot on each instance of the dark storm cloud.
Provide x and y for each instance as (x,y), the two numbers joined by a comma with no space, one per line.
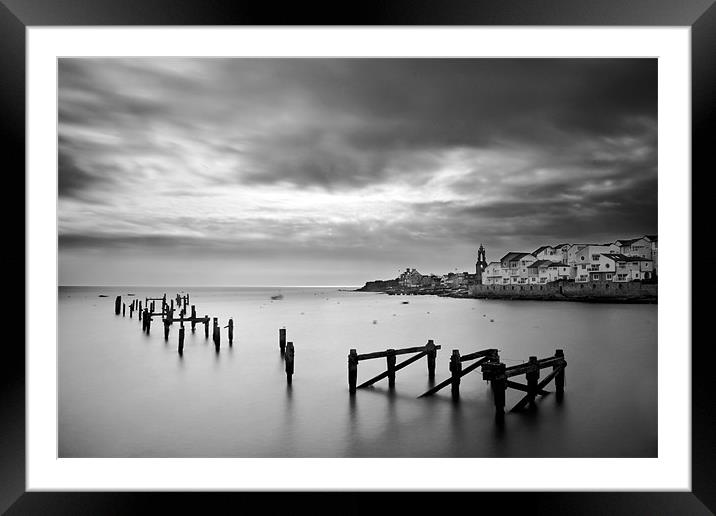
(347,122)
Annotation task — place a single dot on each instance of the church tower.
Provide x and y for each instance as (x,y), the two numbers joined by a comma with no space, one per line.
(480,265)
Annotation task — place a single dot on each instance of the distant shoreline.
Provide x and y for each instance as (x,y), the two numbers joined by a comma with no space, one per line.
(592,292)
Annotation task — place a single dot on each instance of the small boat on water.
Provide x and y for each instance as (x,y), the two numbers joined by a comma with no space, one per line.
(277,296)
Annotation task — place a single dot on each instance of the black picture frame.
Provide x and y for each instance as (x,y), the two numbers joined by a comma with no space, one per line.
(700,15)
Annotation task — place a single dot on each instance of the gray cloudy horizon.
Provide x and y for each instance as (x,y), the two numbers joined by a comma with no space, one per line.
(204,171)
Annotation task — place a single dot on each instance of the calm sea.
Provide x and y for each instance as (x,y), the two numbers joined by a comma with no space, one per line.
(125,394)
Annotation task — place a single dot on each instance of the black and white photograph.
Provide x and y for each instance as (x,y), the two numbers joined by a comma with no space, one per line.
(357,257)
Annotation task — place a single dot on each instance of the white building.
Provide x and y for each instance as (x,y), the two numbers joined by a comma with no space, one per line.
(548,252)
(628,268)
(589,259)
(516,264)
(559,271)
(495,274)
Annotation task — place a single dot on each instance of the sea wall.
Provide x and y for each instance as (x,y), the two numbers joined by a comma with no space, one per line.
(634,291)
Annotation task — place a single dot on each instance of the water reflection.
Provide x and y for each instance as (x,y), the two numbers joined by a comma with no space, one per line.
(130,415)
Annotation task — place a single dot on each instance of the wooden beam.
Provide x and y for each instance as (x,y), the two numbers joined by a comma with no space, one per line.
(447,382)
(519,369)
(478,354)
(524,401)
(383,354)
(398,367)
(522,387)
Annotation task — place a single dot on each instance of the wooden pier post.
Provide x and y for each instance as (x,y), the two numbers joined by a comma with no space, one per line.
(231,332)
(206,326)
(140,306)
(432,352)
(532,380)
(289,362)
(117,304)
(282,340)
(181,339)
(499,385)
(131,310)
(352,371)
(171,306)
(151,307)
(124,310)
(455,370)
(193,318)
(166,330)
(147,320)
(217,334)
(559,377)
(390,360)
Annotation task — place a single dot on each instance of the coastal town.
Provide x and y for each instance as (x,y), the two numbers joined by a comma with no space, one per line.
(623,269)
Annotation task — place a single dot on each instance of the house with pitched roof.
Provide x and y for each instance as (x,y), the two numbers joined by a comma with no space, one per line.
(626,268)
(641,247)
(537,271)
(516,264)
(496,274)
(559,271)
(589,260)
(548,252)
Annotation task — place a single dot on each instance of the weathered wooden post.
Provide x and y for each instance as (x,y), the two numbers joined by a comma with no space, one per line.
(432,352)
(206,326)
(193,318)
(499,385)
(140,306)
(149,320)
(455,370)
(171,306)
(117,304)
(181,339)
(166,329)
(390,360)
(164,298)
(231,332)
(559,377)
(151,307)
(131,310)
(289,362)
(532,380)
(217,334)
(352,370)
(282,340)
(124,310)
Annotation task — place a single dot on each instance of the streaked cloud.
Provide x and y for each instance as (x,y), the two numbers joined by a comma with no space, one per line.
(365,162)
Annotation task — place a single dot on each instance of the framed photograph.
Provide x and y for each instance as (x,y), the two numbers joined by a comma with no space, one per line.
(415,249)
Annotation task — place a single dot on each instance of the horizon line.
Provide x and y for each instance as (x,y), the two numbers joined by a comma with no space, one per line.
(213,286)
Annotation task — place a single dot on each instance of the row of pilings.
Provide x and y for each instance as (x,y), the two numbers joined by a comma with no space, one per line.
(169,313)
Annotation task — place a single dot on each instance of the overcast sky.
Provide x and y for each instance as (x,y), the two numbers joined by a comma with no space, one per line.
(337,171)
